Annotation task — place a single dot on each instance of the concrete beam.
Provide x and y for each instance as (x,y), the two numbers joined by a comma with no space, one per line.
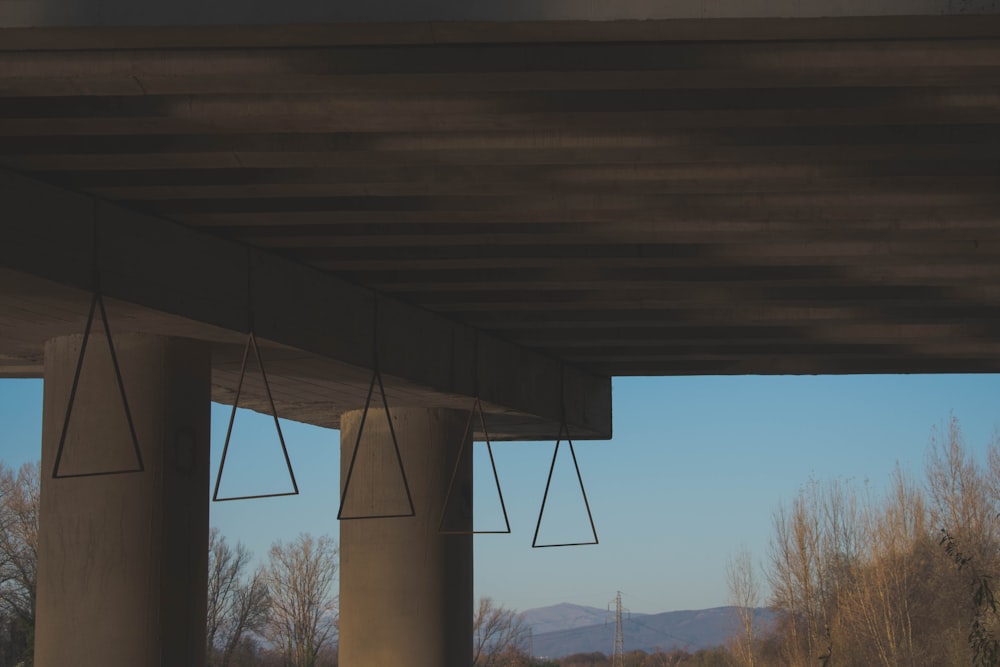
(194,12)
(18,37)
(190,283)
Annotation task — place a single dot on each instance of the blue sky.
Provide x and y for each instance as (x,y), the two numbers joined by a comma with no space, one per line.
(695,469)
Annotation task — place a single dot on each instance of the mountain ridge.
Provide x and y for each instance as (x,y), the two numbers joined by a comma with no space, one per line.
(564,616)
(562,629)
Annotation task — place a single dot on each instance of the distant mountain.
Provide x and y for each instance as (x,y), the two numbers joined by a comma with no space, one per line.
(691,630)
(564,616)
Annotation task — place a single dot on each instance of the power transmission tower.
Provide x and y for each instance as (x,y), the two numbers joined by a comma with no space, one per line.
(618,656)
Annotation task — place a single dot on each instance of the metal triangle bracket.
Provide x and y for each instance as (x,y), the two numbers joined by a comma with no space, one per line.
(564,428)
(466,435)
(252,344)
(97,304)
(376,378)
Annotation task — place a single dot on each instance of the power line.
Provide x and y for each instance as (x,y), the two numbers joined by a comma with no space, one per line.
(684,642)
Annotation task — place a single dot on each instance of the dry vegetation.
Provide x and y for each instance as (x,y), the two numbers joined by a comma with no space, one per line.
(900,578)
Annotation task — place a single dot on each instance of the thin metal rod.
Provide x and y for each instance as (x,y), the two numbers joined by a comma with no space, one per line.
(376,377)
(564,428)
(395,444)
(583,490)
(475,362)
(252,342)
(454,475)
(250,318)
(354,454)
(121,384)
(274,414)
(73,387)
(493,464)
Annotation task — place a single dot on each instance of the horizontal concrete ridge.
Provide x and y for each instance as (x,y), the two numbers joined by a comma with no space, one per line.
(194,12)
(428,33)
(319,334)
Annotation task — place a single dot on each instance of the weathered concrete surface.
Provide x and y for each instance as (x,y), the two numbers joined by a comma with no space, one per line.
(122,560)
(193,12)
(405,590)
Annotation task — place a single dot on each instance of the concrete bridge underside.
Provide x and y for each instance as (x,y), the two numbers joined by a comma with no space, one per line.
(514,210)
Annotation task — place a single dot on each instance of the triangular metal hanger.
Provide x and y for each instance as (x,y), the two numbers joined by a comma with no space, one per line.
(97,304)
(466,435)
(564,429)
(376,378)
(252,344)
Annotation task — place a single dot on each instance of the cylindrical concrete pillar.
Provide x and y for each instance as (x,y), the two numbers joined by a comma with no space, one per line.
(122,559)
(405,589)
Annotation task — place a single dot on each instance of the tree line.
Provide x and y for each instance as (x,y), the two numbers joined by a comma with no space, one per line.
(861,578)
(282,613)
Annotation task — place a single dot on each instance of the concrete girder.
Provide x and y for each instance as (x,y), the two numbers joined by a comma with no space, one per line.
(192,12)
(160,277)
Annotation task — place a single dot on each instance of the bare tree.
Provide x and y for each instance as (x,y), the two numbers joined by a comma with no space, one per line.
(881,603)
(19,498)
(960,492)
(500,634)
(795,576)
(300,577)
(744,591)
(236,606)
(813,550)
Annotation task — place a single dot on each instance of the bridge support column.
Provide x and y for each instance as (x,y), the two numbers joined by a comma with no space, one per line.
(405,590)
(122,559)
